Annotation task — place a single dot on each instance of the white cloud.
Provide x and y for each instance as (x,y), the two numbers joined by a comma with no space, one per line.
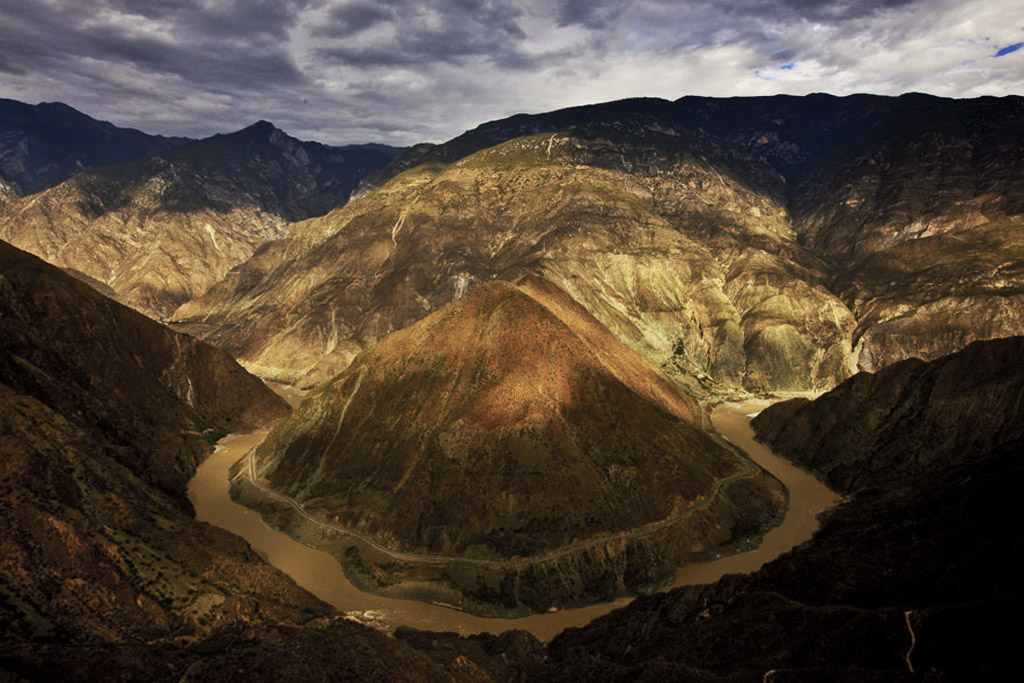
(403,71)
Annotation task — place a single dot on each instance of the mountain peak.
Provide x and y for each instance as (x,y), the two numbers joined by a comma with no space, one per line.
(260,128)
(508,424)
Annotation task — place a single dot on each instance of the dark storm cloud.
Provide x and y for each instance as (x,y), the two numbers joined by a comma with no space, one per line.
(229,18)
(211,63)
(194,42)
(422,32)
(7,66)
(247,19)
(818,10)
(345,20)
(402,71)
(593,14)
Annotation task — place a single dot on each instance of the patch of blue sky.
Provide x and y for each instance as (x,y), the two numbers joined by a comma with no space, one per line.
(1008,49)
(763,74)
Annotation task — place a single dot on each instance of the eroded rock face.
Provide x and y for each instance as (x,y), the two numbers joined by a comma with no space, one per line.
(761,243)
(8,192)
(512,425)
(678,256)
(159,232)
(104,415)
(926,226)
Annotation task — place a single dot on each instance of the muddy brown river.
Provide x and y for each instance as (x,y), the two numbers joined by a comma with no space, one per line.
(321,574)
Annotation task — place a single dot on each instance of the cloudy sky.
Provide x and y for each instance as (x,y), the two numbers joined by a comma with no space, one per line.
(404,71)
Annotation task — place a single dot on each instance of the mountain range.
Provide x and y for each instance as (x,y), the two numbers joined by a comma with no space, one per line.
(159,231)
(45,144)
(711,236)
(510,343)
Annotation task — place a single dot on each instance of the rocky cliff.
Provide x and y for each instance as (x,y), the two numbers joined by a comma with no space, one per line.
(511,425)
(160,231)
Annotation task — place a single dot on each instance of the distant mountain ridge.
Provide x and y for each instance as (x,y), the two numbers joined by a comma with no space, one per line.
(793,132)
(45,144)
(160,230)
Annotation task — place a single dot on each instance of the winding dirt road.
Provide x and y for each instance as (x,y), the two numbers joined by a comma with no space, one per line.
(645,530)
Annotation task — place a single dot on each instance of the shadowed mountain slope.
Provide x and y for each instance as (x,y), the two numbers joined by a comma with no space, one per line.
(85,355)
(43,145)
(908,419)
(160,231)
(511,424)
(104,415)
(926,227)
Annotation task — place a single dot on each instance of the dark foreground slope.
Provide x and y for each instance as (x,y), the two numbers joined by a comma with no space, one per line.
(920,554)
(511,425)
(104,415)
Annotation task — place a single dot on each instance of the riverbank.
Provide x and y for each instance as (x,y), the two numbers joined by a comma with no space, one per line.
(322,575)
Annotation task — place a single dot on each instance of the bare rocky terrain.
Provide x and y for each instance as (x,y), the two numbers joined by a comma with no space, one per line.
(160,231)
(713,236)
(689,267)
